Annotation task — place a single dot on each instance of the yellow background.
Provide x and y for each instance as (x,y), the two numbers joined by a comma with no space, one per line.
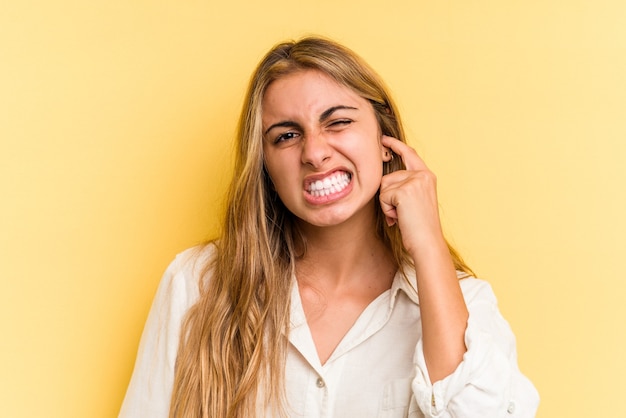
(115,125)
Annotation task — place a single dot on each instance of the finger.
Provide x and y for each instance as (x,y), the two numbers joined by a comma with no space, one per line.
(411,160)
(396,177)
(391,216)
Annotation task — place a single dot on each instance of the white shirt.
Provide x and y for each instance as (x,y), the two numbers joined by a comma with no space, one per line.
(377,370)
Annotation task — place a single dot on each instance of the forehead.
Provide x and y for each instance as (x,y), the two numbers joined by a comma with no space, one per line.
(306,91)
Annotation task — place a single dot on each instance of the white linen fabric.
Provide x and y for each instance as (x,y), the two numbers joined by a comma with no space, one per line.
(377,370)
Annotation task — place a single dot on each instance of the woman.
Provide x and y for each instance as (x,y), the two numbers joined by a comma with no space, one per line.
(307,305)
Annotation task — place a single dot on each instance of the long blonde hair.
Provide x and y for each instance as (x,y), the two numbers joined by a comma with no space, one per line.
(233,345)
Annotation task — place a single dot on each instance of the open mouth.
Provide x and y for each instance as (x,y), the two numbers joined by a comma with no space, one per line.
(334,183)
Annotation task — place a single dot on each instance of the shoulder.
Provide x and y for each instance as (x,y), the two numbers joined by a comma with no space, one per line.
(181,282)
(193,261)
(477,291)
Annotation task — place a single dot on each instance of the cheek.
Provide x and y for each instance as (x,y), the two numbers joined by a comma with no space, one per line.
(269,161)
(375,175)
(279,171)
(374,167)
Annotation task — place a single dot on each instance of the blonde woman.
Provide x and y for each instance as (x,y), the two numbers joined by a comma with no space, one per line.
(331,291)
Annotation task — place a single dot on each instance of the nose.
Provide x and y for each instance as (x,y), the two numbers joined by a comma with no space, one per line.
(315,150)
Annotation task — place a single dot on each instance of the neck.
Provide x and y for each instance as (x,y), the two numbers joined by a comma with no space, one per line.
(344,254)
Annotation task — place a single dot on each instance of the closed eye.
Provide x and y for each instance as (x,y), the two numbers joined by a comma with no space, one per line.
(339,123)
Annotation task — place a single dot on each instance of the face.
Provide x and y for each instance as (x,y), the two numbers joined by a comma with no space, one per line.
(322,148)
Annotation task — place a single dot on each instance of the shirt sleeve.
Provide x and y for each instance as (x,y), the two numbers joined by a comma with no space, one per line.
(148,394)
(488,382)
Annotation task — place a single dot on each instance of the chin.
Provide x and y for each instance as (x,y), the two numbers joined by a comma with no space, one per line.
(328,220)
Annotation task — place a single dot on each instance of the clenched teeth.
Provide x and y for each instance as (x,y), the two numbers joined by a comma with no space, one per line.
(332,184)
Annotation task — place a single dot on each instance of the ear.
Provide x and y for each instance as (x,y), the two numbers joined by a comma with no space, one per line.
(386,154)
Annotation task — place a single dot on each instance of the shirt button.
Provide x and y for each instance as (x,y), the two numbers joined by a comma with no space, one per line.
(320,383)
(511,408)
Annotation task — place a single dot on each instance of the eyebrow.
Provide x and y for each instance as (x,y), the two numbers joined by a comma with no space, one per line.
(325,115)
(328,112)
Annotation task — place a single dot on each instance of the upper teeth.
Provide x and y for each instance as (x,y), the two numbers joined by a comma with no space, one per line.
(332,184)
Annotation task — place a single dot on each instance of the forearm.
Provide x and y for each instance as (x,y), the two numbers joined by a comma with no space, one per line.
(443,310)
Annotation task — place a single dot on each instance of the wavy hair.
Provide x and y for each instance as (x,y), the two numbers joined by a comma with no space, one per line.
(233,346)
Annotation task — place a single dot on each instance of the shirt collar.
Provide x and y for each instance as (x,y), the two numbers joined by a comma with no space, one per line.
(297,317)
(405,282)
